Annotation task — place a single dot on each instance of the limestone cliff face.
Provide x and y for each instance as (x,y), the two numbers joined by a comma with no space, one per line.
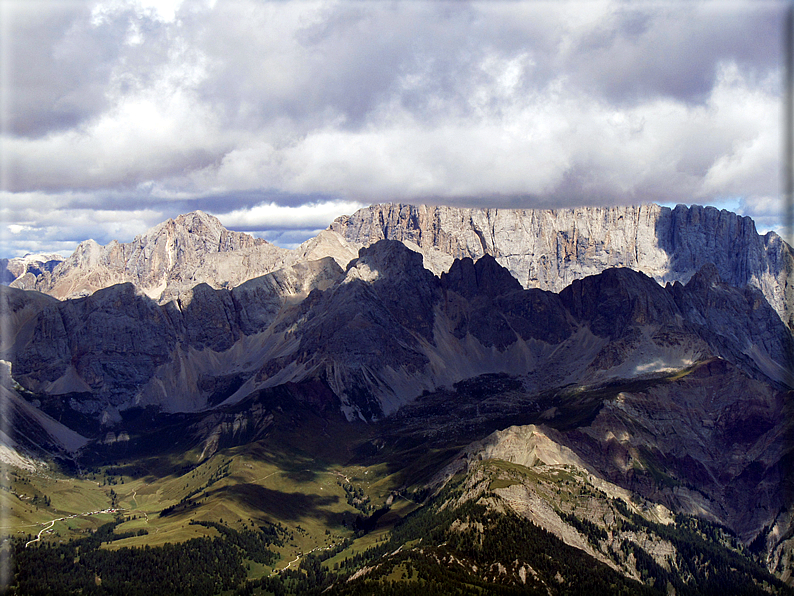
(549,249)
(168,259)
(545,249)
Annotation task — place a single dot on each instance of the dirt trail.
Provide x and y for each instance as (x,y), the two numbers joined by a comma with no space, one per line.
(268,476)
(38,537)
(277,571)
(52,522)
(298,558)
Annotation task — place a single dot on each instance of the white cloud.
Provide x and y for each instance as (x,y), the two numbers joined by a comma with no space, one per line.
(68,220)
(263,216)
(148,133)
(160,10)
(17,229)
(767,212)
(530,145)
(175,105)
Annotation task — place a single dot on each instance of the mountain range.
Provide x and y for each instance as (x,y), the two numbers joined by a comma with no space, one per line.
(601,374)
(545,249)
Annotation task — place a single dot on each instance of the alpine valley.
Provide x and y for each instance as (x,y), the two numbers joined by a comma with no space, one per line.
(420,399)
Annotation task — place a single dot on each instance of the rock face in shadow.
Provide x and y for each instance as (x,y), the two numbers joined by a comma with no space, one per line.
(549,249)
(111,344)
(484,300)
(383,332)
(618,299)
(485,277)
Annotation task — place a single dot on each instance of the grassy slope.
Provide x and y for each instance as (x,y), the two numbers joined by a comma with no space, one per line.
(294,477)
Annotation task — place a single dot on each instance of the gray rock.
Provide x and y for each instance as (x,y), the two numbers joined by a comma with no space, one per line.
(171,258)
(23,271)
(115,342)
(549,249)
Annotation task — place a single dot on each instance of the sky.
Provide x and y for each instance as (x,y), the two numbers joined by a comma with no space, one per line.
(279,116)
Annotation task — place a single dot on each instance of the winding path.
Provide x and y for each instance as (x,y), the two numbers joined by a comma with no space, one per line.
(298,558)
(38,537)
(52,522)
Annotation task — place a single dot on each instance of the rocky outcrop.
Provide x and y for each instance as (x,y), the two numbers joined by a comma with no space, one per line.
(706,444)
(549,249)
(711,443)
(17,309)
(23,271)
(384,331)
(168,259)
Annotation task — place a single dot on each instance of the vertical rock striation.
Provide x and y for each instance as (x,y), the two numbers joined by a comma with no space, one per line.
(549,249)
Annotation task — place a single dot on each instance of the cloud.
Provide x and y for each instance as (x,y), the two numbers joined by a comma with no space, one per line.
(264,113)
(767,212)
(634,52)
(555,144)
(271,216)
(29,229)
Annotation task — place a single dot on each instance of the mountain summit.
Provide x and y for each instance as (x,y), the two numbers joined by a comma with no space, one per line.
(170,257)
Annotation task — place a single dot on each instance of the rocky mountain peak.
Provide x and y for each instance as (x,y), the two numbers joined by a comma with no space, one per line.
(387,259)
(87,250)
(396,275)
(616,299)
(705,278)
(486,277)
(549,249)
(197,231)
(493,278)
(166,260)
(196,221)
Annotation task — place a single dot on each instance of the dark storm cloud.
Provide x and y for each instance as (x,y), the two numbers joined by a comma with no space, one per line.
(56,67)
(674,50)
